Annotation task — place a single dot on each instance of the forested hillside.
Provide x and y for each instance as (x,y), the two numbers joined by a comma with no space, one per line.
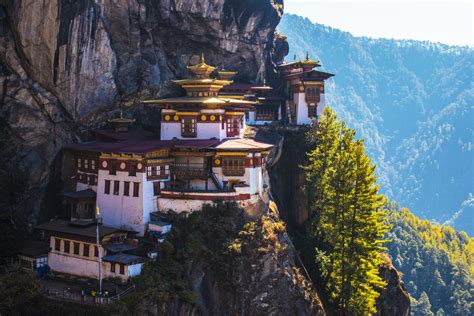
(436,261)
(412,102)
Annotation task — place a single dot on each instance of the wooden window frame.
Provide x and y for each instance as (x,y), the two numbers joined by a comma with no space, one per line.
(67,246)
(86,250)
(189,127)
(76,248)
(112,267)
(126,188)
(116,187)
(233,166)
(136,189)
(233,126)
(57,244)
(107,187)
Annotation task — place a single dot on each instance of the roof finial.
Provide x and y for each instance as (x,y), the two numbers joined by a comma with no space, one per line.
(201,61)
(307,56)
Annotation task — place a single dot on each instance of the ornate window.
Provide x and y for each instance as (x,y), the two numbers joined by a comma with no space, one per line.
(188,127)
(233,126)
(157,171)
(233,166)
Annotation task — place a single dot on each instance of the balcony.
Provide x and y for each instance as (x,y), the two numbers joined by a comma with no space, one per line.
(189,171)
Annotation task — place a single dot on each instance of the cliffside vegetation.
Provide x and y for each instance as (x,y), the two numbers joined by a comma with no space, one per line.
(218,262)
(346,220)
(437,263)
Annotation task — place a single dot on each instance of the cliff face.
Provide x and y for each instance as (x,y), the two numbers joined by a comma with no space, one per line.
(67,65)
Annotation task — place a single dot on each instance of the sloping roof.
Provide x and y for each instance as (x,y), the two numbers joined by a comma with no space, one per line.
(123,258)
(243,144)
(142,146)
(202,100)
(83,194)
(34,248)
(120,247)
(134,134)
(66,227)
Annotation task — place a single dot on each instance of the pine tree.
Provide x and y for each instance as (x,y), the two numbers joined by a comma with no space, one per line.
(347,216)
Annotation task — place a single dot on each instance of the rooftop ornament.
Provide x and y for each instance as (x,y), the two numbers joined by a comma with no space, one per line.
(201,70)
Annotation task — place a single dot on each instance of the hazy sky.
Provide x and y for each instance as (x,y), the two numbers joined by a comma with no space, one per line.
(444,21)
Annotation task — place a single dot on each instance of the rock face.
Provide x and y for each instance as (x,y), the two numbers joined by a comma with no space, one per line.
(67,65)
(394,300)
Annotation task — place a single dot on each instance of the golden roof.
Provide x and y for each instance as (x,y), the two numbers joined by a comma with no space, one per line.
(203,100)
(201,70)
(308,61)
(242,144)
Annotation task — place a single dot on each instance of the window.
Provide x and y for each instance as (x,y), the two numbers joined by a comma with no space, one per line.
(113,167)
(57,244)
(233,126)
(85,250)
(86,164)
(122,268)
(136,188)
(126,188)
(133,169)
(96,251)
(79,163)
(67,245)
(93,164)
(76,248)
(107,187)
(156,188)
(188,127)
(233,166)
(116,187)
(158,171)
(112,267)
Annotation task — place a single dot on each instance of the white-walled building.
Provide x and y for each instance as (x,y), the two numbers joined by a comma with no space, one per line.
(74,250)
(305,90)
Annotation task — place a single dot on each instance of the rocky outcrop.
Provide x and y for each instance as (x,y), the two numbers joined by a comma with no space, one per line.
(67,65)
(394,300)
(264,278)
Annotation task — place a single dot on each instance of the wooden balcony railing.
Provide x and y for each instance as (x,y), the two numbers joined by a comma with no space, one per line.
(190,171)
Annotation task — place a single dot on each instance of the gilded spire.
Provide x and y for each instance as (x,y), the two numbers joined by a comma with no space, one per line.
(307,56)
(201,70)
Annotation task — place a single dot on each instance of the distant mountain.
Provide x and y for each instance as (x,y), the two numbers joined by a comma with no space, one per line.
(413,103)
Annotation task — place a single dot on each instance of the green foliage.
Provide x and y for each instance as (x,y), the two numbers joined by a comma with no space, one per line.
(346,218)
(19,292)
(437,262)
(202,238)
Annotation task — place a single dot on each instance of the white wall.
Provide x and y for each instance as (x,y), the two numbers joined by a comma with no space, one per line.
(126,211)
(301,109)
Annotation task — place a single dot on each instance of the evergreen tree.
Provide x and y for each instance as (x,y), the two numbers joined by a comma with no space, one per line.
(422,307)
(347,221)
